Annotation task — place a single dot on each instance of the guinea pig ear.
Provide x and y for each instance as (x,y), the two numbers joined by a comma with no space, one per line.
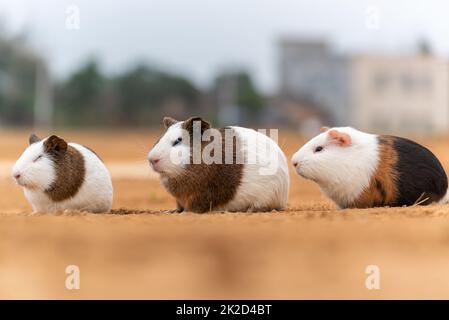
(340,138)
(188,124)
(33,139)
(55,145)
(324,129)
(168,122)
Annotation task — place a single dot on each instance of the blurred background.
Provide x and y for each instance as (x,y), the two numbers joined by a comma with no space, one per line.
(380,66)
(104,73)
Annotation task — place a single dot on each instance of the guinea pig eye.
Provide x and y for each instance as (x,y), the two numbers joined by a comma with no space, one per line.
(318,149)
(177,141)
(38,158)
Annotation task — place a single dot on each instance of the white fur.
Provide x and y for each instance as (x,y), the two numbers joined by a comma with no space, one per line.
(95,194)
(342,172)
(172,159)
(445,199)
(263,187)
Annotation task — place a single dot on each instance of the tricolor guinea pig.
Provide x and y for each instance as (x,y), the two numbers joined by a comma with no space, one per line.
(57,175)
(361,170)
(234,182)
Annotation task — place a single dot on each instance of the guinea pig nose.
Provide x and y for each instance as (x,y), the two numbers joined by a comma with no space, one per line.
(154,161)
(295,163)
(17,176)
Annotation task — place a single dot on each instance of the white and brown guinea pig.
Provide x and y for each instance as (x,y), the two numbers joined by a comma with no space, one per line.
(361,170)
(57,175)
(222,185)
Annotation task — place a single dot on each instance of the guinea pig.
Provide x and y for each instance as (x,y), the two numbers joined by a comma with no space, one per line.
(361,170)
(57,175)
(233,181)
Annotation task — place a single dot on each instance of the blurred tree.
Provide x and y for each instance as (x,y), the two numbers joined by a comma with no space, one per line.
(145,94)
(17,80)
(248,97)
(237,89)
(139,96)
(78,99)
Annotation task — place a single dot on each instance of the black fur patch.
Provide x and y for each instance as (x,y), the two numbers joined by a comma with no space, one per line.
(420,174)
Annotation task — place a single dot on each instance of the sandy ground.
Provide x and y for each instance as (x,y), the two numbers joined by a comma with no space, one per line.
(312,250)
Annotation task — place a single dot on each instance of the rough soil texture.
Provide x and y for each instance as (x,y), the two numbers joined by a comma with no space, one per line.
(312,250)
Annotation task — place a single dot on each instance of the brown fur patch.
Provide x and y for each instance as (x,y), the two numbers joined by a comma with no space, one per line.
(203,187)
(70,173)
(168,122)
(382,190)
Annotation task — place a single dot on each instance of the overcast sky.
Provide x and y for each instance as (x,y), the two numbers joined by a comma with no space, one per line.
(200,37)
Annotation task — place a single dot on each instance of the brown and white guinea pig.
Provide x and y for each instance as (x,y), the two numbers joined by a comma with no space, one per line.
(361,170)
(223,184)
(57,175)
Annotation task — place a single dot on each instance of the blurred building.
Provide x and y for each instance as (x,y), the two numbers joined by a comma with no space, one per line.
(400,93)
(310,71)
(379,93)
